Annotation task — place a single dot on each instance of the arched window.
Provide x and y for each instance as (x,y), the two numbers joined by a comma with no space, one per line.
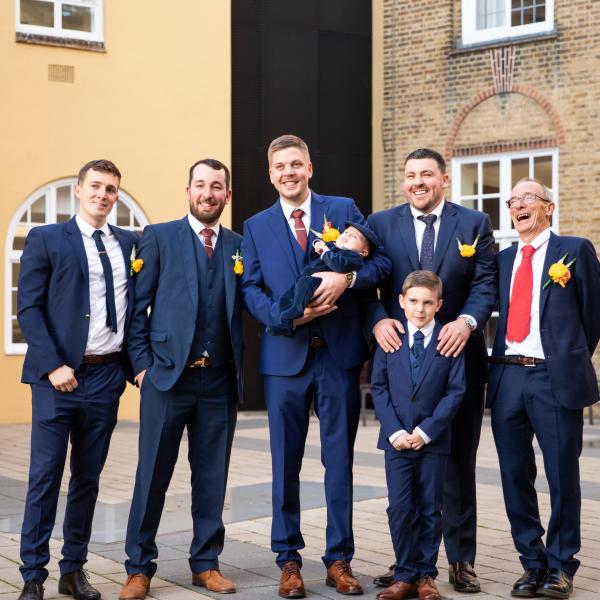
(52,203)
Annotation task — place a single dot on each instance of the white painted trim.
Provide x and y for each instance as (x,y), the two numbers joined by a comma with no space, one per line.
(11,256)
(471,35)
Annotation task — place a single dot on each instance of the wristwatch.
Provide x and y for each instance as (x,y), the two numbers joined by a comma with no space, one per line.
(470,321)
(349,278)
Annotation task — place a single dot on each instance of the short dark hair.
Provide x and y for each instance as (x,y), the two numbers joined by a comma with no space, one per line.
(427,153)
(215,164)
(287,141)
(102,165)
(426,279)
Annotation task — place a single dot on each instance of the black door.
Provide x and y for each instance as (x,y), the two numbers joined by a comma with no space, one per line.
(302,68)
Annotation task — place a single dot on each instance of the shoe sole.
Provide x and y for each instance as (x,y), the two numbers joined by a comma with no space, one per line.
(331,583)
(523,594)
(549,594)
(233,591)
(463,590)
(292,595)
(66,591)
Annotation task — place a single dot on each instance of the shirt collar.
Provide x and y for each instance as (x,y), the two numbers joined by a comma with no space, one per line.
(427,330)
(288,208)
(198,226)
(437,211)
(537,241)
(88,229)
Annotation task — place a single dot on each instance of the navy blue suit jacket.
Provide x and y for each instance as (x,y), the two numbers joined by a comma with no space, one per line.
(430,406)
(168,284)
(469,283)
(569,321)
(53,297)
(271,268)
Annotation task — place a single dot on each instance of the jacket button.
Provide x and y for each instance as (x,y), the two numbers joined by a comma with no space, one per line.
(87,317)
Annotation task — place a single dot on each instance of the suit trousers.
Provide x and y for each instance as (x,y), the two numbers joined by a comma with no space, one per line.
(335,394)
(86,416)
(204,401)
(415,482)
(525,406)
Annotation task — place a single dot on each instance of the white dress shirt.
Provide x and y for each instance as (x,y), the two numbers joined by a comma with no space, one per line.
(197,227)
(101,340)
(427,332)
(532,344)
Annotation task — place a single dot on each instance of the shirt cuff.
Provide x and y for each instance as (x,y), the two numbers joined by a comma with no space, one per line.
(353,279)
(425,437)
(396,435)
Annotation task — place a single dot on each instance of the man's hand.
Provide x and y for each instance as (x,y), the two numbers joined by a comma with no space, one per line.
(139,378)
(453,337)
(386,334)
(401,442)
(330,289)
(415,441)
(313,312)
(63,379)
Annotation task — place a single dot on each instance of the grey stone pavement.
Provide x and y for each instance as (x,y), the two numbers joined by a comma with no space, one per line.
(247,558)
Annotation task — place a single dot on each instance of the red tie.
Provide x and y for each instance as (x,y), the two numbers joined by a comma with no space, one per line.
(519,310)
(299,228)
(207,235)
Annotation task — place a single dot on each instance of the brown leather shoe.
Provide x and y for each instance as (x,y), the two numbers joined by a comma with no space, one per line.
(213,581)
(463,577)
(291,584)
(399,591)
(339,576)
(136,587)
(427,589)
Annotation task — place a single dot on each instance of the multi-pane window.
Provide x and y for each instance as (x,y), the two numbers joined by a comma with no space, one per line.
(77,19)
(486,20)
(54,203)
(485,182)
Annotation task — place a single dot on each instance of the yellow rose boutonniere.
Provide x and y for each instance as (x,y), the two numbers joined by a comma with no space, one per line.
(135,264)
(329,232)
(559,272)
(238,263)
(467,250)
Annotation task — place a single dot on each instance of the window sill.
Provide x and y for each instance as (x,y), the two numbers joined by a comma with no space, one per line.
(506,41)
(51,40)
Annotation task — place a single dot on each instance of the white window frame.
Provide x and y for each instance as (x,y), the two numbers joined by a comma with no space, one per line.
(96,35)
(471,35)
(505,236)
(13,256)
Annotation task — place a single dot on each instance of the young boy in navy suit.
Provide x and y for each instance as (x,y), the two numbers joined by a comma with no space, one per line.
(416,392)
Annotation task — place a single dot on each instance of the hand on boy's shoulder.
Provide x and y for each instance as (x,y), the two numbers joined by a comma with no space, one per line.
(387,333)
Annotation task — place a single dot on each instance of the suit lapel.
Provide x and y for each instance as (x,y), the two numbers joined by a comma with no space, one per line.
(280,231)
(406,227)
(400,362)
(188,256)
(228,252)
(73,234)
(318,212)
(553,254)
(448,224)
(430,353)
(126,246)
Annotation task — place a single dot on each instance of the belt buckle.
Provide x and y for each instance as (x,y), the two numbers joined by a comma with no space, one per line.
(528,361)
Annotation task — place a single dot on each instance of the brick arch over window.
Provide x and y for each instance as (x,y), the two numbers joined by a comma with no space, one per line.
(486,93)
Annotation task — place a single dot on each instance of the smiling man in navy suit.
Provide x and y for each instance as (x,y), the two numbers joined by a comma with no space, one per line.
(541,378)
(187,357)
(73,307)
(423,233)
(320,361)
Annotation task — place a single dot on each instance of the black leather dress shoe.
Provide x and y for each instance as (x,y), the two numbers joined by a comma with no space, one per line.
(386,579)
(463,577)
(526,586)
(32,590)
(557,584)
(76,584)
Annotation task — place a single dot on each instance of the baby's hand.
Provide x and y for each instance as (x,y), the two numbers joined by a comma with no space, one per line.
(320,246)
(401,442)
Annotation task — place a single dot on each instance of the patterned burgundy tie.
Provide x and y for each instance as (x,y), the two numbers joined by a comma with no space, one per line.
(207,235)
(299,228)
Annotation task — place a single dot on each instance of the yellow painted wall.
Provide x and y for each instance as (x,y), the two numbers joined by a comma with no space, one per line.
(377,109)
(157,100)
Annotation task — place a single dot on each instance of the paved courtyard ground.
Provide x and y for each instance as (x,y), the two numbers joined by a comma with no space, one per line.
(247,558)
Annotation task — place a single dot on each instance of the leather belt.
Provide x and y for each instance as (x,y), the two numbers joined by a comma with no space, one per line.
(316,341)
(101,359)
(517,359)
(200,363)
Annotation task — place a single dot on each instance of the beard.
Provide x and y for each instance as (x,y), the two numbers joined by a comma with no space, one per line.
(210,216)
